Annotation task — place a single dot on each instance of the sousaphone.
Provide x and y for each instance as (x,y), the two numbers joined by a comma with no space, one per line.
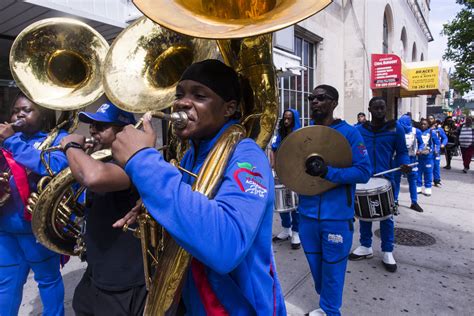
(238,27)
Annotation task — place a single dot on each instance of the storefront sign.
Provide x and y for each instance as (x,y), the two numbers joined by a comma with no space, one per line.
(386,71)
(422,77)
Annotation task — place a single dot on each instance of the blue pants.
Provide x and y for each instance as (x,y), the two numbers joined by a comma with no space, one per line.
(327,245)
(290,219)
(412,178)
(18,253)
(436,170)
(425,171)
(386,234)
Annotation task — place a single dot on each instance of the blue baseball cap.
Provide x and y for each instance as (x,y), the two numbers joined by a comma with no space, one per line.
(108,113)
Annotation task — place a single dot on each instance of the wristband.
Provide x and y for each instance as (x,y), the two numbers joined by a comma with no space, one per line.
(72,145)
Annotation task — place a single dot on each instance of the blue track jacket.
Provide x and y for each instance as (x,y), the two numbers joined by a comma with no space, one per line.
(24,152)
(431,140)
(442,138)
(297,125)
(405,123)
(230,234)
(338,203)
(382,144)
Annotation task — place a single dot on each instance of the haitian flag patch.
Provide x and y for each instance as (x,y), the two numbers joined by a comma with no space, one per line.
(249,180)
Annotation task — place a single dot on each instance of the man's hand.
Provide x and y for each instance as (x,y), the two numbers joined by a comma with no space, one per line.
(316,167)
(6,130)
(73,138)
(131,140)
(131,217)
(405,168)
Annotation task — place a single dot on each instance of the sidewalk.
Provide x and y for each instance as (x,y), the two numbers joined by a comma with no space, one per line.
(431,280)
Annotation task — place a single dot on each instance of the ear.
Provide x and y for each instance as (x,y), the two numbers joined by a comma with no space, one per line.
(230,108)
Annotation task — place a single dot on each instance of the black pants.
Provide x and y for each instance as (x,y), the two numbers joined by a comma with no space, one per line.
(90,300)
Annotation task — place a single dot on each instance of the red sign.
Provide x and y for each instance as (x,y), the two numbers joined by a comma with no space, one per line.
(386,71)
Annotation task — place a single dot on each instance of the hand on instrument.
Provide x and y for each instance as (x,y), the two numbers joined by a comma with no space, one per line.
(405,168)
(131,140)
(6,130)
(316,167)
(131,217)
(76,138)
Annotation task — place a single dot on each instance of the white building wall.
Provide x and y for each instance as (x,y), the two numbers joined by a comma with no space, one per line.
(328,25)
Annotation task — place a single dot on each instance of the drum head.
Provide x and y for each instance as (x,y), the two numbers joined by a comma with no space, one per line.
(373,184)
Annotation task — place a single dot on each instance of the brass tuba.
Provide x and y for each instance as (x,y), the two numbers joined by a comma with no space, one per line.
(237,26)
(58,64)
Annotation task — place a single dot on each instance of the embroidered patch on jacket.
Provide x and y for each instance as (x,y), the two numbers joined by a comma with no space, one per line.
(362,149)
(249,180)
(335,238)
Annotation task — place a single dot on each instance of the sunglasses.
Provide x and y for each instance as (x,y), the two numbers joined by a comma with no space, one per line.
(100,126)
(319,97)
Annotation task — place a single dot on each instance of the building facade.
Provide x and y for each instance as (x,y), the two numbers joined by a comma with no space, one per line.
(341,40)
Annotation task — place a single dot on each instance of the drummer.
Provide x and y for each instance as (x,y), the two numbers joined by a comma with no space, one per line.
(326,219)
(384,139)
(289,122)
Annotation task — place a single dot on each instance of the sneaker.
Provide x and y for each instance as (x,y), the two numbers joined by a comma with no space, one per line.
(360,253)
(316,312)
(418,189)
(465,170)
(416,207)
(396,210)
(447,167)
(437,183)
(427,192)
(389,262)
(285,234)
(295,240)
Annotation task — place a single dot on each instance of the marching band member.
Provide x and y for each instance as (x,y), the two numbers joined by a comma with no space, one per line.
(383,139)
(414,143)
(435,125)
(426,158)
(326,219)
(19,249)
(229,236)
(113,282)
(289,122)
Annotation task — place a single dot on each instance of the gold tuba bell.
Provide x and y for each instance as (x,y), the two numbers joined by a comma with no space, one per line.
(58,64)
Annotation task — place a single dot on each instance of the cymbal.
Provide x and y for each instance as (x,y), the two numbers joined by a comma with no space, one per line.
(319,140)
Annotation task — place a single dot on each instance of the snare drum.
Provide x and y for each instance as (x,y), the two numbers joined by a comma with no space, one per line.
(374,200)
(285,199)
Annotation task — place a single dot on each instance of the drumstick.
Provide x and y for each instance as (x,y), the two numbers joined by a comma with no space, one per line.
(394,169)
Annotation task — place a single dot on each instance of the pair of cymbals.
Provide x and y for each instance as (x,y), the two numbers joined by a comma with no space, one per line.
(319,140)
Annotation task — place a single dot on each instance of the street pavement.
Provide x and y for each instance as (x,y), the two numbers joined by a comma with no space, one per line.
(431,280)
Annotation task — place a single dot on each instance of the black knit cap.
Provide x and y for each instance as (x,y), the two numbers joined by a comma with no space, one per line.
(217,76)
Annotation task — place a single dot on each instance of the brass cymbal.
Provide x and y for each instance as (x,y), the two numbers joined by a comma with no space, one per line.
(319,140)
(225,19)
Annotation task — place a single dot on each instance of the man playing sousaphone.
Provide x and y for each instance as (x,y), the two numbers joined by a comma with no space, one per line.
(229,236)
(114,280)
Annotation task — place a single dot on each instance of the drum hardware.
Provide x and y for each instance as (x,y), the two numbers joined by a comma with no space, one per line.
(285,199)
(394,169)
(306,142)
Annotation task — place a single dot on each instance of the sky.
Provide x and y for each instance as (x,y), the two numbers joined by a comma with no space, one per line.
(442,11)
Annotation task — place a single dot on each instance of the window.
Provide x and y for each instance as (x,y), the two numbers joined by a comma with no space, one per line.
(294,90)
